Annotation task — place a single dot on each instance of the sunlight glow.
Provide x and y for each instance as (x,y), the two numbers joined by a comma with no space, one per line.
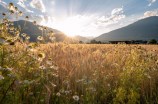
(74,25)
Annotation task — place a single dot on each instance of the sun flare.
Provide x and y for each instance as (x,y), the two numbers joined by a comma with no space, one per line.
(74,25)
(69,31)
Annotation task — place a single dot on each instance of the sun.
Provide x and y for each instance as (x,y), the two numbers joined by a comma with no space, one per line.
(70,32)
(71,26)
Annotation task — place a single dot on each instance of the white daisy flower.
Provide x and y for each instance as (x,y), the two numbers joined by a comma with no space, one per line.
(94,89)
(62,91)
(76,98)
(26,81)
(58,94)
(56,75)
(53,84)
(1,77)
(42,67)
(66,81)
(54,67)
(67,92)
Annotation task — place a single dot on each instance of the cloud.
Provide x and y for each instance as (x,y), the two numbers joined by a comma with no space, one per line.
(149,14)
(43,20)
(27,10)
(47,20)
(116,10)
(37,18)
(151,2)
(53,2)
(115,17)
(38,4)
(4,4)
(122,23)
(132,20)
(21,3)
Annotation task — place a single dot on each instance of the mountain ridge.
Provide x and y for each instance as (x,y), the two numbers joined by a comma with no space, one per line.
(138,30)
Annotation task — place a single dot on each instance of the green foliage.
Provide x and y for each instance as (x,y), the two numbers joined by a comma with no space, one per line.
(152,41)
(95,42)
(133,41)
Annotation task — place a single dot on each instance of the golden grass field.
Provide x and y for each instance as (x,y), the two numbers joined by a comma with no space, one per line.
(79,73)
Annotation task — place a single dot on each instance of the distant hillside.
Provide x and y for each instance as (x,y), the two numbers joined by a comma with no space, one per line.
(90,37)
(33,31)
(80,38)
(144,29)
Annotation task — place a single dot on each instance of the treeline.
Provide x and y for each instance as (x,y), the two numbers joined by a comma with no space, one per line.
(152,41)
(94,42)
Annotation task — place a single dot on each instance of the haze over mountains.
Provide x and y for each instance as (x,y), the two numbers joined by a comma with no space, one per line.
(33,31)
(144,29)
(81,38)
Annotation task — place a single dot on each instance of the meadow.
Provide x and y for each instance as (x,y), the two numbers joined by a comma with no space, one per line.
(63,73)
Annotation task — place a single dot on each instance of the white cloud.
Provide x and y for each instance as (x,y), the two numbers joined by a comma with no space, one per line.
(103,22)
(131,19)
(116,10)
(53,2)
(122,23)
(43,20)
(21,3)
(27,10)
(37,18)
(151,2)
(149,14)
(4,4)
(47,20)
(115,17)
(38,4)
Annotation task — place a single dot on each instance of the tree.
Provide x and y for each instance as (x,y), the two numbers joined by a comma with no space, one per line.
(80,42)
(132,42)
(93,41)
(152,41)
(99,42)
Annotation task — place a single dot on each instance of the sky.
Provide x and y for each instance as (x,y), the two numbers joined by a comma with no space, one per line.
(83,17)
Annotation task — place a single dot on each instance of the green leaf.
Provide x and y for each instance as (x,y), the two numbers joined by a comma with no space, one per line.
(19,27)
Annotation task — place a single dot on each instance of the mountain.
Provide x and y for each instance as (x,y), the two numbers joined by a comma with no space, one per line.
(144,29)
(33,31)
(90,37)
(80,38)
